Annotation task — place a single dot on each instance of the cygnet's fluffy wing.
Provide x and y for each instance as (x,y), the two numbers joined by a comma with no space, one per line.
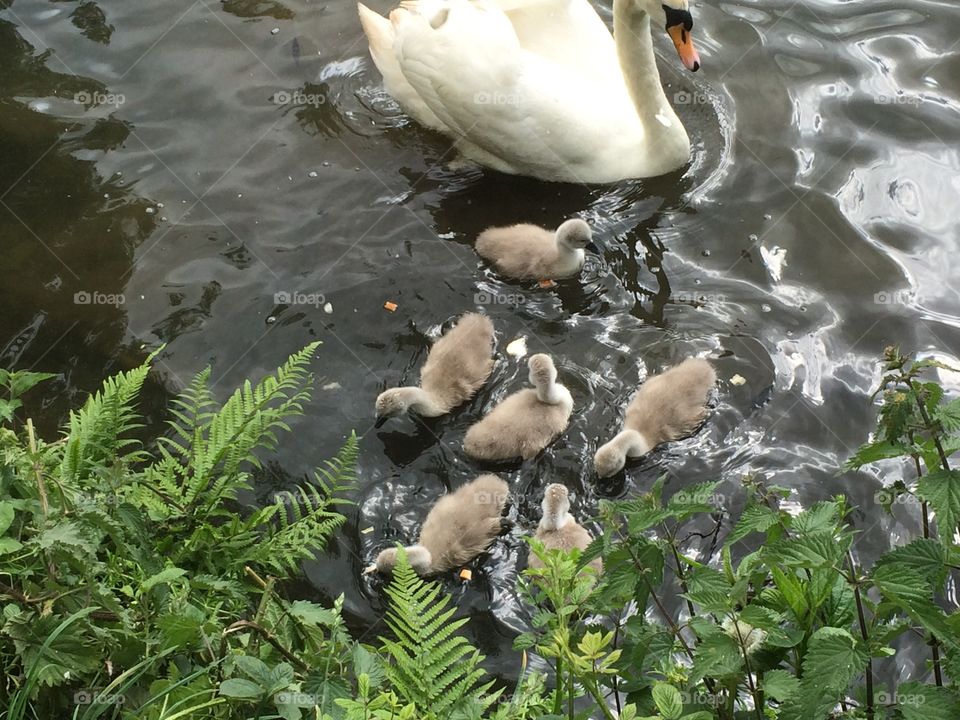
(462,524)
(672,405)
(520,426)
(460,362)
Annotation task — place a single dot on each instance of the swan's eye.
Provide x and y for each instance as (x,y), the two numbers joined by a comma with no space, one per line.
(678,17)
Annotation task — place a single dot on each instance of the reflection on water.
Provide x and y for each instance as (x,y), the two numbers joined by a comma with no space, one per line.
(198,159)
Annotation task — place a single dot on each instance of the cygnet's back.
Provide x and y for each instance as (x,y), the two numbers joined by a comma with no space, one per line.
(462,524)
(526,421)
(672,405)
(460,361)
(529,252)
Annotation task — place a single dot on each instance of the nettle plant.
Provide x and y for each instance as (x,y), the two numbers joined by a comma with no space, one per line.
(779,622)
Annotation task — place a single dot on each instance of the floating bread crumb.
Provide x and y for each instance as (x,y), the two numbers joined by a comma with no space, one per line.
(466,574)
(738,379)
(518,348)
(547,284)
(390,306)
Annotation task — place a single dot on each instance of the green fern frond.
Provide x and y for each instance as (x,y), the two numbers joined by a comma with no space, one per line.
(201,463)
(299,522)
(431,666)
(94,435)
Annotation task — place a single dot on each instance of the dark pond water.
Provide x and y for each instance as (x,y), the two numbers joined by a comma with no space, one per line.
(146,150)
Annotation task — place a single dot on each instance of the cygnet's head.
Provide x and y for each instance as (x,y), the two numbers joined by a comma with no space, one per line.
(391,403)
(574,234)
(609,460)
(556,500)
(542,371)
(417,555)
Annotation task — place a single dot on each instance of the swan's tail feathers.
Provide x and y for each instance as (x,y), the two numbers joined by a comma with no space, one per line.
(379,32)
(382,36)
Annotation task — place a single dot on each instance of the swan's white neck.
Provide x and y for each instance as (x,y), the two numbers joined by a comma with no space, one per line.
(631,33)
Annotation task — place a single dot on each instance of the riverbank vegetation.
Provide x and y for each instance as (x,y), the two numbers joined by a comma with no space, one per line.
(135,584)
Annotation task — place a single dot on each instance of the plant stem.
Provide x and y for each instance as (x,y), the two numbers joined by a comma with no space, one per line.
(663,612)
(269,637)
(757,704)
(925,515)
(38,470)
(616,678)
(681,577)
(594,691)
(863,633)
(571,711)
(929,424)
(558,692)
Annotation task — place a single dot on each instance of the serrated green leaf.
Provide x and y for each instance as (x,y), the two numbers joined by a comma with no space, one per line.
(816,550)
(917,701)
(908,590)
(668,700)
(755,518)
(941,490)
(780,685)
(923,555)
(832,661)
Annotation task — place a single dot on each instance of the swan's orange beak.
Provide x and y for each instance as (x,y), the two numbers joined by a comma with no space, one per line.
(683,41)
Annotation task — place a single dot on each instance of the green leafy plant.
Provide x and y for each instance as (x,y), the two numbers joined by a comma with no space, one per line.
(133,571)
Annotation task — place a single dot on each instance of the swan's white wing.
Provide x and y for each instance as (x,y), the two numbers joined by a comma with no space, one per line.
(456,59)
(511,109)
(568,33)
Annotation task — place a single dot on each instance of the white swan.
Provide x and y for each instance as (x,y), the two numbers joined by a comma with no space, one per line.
(539,87)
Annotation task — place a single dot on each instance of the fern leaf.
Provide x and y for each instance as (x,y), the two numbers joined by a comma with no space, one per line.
(431,667)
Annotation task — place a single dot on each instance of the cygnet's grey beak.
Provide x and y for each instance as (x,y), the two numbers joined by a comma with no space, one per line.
(381,419)
(592,247)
